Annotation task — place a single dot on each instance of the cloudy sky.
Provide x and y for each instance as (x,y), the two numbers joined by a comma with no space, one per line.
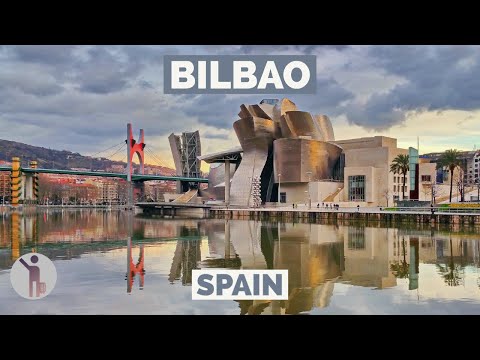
(80,98)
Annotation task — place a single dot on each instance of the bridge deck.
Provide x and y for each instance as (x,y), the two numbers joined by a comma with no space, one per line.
(135,177)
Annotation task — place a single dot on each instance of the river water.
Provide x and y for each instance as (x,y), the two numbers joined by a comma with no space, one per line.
(333,268)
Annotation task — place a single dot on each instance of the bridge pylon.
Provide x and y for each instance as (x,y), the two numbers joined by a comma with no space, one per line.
(134,147)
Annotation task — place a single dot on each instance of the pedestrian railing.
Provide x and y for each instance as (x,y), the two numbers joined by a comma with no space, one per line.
(436,210)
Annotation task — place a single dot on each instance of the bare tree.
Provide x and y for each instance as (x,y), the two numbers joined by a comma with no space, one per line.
(436,191)
(477,185)
(427,189)
(461,184)
(386,194)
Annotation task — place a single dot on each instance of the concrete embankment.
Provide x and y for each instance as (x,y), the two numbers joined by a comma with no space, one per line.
(321,216)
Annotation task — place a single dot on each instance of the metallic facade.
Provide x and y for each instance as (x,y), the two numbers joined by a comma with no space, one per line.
(256,137)
(277,138)
(301,160)
(325,126)
(300,123)
(282,107)
(216,181)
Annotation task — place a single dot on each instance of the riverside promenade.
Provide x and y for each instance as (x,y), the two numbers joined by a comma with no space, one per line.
(440,215)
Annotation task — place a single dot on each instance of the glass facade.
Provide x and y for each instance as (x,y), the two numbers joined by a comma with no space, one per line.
(356,188)
(413,160)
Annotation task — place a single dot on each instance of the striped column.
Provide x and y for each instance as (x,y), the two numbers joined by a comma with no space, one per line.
(15,232)
(34,200)
(16,181)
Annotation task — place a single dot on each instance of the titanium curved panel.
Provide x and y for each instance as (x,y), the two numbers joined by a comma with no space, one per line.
(278,130)
(282,107)
(285,128)
(216,175)
(325,126)
(244,112)
(255,136)
(257,111)
(252,129)
(293,158)
(267,109)
(264,111)
(301,123)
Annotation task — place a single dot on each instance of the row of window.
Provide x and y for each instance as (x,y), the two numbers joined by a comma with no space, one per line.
(399,179)
(356,188)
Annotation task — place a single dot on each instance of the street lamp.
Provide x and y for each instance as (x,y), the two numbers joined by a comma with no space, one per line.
(279,176)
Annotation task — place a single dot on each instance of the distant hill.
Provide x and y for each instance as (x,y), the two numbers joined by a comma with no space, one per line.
(63,160)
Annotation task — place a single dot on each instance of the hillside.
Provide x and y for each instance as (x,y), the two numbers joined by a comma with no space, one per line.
(49,158)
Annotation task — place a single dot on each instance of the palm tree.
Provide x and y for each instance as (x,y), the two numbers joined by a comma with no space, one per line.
(450,159)
(451,272)
(401,165)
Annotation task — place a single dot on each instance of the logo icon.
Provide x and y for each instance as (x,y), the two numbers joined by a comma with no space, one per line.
(33,276)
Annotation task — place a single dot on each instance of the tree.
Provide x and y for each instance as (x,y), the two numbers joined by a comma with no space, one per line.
(401,165)
(450,159)
(386,194)
(432,189)
(428,189)
(461,184)
(477,184)
(451,273)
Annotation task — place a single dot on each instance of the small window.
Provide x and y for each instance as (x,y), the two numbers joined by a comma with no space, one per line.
(395,188)
(283,197)
(426,178)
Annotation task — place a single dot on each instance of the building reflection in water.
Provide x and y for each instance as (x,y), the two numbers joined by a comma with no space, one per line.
(16,234)
(185,259)
(186,256)
(318,256)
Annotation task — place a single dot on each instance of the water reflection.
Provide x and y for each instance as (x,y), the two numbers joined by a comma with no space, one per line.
(324,261)
(185,259)
(135,269)
(319,256)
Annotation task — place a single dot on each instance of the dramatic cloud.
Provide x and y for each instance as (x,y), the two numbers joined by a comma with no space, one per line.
(81,97)
(436,78)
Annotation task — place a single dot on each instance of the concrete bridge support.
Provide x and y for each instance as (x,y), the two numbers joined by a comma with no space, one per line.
(30,186)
